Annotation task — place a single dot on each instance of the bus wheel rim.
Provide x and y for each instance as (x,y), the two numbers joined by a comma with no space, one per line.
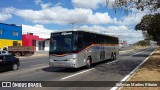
(88,62)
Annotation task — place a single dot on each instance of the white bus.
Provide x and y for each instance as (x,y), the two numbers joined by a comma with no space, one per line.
(74,49)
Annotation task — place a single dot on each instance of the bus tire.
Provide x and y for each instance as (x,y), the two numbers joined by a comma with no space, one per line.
(115,56)
(88,62)
(112,56)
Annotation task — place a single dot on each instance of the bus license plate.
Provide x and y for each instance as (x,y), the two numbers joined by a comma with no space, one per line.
(60,63)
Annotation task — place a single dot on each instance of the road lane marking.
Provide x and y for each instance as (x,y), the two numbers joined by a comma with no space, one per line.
(132,54)
(77,74)
(83,71)
(112,62)
(138,53)
(132,72)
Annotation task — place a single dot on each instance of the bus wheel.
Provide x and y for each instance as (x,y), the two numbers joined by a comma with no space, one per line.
(112,56)
(115,56)
(88,62)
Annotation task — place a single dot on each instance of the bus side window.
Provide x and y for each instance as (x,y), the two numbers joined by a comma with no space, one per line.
(80,40)
(87,39)
(94,41)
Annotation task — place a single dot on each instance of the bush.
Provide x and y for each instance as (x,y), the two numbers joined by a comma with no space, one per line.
(143,43)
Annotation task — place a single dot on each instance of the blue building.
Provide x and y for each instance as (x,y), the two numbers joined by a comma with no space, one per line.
(10,35)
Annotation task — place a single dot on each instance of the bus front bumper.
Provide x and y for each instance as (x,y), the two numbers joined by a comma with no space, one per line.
(65,64)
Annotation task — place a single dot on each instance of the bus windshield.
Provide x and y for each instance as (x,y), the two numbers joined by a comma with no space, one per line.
(62,43)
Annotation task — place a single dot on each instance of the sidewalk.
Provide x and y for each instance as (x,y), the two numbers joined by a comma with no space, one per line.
(149,71)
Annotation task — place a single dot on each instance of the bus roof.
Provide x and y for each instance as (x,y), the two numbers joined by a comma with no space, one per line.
(84,30)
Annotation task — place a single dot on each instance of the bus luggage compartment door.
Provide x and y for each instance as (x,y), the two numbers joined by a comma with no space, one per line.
(102,55)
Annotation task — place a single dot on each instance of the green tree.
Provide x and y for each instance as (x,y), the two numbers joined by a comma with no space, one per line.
(147,36)
(142,43)
(150,23)
(139,4)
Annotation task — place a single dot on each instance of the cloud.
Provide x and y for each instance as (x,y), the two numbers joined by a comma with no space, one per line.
(92,4)
(4,16)
(133,18)
(38,2)
(37,30)
(47,5)
(60,15)
(123,32)
(6,13)
(39,26)
(42,5)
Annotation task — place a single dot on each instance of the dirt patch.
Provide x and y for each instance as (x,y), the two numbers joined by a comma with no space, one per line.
(139,47)
(149,71)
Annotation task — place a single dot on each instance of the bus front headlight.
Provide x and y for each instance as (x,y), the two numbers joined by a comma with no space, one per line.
(51,59)
(72,59)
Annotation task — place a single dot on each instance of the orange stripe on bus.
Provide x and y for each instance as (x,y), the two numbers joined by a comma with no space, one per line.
(86,48)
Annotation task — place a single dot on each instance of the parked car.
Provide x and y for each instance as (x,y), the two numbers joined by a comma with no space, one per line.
(8,62)
(3,52)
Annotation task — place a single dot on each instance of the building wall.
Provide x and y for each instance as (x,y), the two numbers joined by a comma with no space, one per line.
(7,37)
(27,40)
(6,42)
(41,32)
(47,42)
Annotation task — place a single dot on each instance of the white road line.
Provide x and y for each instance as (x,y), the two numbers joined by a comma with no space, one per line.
(132,72)
(77,73)
(138,53)
(83,71)
(112,61)
(37,65)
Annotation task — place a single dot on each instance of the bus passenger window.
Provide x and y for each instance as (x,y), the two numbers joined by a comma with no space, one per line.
(80,42)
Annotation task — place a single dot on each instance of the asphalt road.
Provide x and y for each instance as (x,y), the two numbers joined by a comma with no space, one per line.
(33,62)
(37,69)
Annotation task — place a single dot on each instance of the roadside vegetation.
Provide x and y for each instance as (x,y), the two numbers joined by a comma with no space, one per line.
(149,25)
(143,43)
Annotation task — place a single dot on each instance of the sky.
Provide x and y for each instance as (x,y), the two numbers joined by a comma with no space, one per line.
(58,15)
